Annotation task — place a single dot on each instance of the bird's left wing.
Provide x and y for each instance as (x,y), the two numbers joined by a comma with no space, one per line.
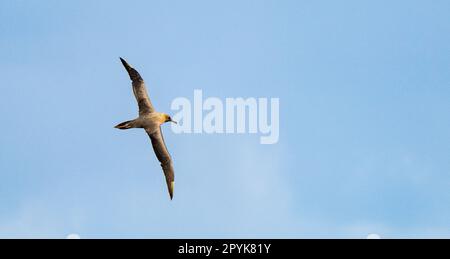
(139,89)
(164,158)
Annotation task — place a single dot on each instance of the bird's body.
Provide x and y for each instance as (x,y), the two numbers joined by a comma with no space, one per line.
(151,121)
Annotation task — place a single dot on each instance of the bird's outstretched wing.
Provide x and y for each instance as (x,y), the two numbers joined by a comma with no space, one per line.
(139,90)
(164,158)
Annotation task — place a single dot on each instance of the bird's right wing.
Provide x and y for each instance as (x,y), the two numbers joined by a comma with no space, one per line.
(139,90)
(164,158)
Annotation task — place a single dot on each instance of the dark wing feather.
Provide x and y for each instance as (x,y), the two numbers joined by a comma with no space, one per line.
(164,158)
(139,90)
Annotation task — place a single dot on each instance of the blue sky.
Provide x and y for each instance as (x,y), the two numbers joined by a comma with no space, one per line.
(364,90)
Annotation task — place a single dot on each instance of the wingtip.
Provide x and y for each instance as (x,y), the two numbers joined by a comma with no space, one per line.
(171,188)
(124,63)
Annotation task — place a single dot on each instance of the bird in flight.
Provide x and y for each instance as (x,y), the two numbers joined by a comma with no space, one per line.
(151,121)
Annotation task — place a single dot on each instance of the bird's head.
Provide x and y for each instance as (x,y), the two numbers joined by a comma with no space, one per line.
(167,118)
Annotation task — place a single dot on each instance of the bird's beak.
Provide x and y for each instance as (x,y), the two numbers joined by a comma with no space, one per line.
(174,121)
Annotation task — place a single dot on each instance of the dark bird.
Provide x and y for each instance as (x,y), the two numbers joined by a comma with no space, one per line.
(150,120)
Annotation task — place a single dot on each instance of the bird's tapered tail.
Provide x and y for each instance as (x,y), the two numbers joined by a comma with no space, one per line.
(134,75)
(124,125)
